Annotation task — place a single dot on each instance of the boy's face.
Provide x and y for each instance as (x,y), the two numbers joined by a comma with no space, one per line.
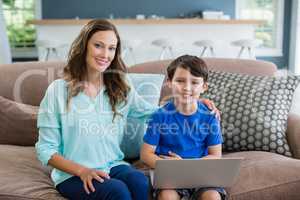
(186,88)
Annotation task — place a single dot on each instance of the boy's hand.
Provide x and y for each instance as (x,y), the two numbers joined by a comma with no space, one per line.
(172,156)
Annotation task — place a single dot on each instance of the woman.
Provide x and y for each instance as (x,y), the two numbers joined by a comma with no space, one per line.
(82,118)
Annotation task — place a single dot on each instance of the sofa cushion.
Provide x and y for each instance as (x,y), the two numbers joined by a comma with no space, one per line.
(254,110)
(266,176)
(293,134)
(26,82)
(23,177)
(148,86)
(17,123)
(263,176)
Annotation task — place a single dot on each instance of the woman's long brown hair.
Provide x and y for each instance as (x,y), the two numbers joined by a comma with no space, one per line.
(75,71)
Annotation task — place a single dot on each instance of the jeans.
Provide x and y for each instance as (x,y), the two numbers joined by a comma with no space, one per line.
(125,183)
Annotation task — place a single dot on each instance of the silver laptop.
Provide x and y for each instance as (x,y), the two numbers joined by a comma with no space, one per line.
(193,173)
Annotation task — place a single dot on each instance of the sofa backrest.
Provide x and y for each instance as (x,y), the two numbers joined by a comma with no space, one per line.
(241,66)
(26,82)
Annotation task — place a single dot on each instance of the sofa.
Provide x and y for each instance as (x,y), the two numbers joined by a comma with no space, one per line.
(263,175)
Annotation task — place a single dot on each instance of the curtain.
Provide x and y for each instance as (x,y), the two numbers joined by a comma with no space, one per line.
(5,53)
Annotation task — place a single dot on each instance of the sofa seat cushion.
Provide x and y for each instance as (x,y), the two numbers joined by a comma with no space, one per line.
(266,176)
(22,175)
(262,176)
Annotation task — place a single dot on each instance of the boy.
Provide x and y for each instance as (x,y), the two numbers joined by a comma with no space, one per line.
(184,127)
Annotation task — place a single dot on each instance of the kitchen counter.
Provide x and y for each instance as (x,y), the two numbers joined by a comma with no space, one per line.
(146,21)
(182,33)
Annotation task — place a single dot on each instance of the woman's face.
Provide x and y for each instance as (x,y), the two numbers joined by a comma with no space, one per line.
(101,49)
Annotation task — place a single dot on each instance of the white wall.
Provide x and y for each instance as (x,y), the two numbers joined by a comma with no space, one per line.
(5,54)
(294,59)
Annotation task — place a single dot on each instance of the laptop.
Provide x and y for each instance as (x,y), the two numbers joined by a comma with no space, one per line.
(194,173)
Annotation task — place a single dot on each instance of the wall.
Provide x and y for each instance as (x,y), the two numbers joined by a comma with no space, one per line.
(129,8)
(5,54)
(283,61)
(169,8)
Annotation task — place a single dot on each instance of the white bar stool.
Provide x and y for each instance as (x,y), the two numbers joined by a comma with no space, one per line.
(206,45)
(165,45)
(51,49)
(249,44)
(127,48)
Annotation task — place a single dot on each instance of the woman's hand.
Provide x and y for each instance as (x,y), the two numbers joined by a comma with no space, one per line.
(87,175)
(210,104)
(172,156)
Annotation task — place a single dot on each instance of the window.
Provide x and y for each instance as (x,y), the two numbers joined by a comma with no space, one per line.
(271,33)
(21,35)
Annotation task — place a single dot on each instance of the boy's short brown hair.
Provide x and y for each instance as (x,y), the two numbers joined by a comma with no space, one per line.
(194,64)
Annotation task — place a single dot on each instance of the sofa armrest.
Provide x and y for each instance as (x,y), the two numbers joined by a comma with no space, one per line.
(293,134)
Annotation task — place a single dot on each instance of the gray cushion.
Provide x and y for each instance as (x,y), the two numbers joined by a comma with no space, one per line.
(17,123)
(254,110)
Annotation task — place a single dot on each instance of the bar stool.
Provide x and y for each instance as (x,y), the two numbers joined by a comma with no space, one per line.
(127,48)
(248,44)
(165,45)
(51,49)
(206,45)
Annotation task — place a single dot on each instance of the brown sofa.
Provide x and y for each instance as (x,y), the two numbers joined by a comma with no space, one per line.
(263,175)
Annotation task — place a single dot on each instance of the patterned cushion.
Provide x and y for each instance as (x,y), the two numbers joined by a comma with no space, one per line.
(254,110)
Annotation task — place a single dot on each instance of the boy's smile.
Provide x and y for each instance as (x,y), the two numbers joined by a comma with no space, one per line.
(186,88)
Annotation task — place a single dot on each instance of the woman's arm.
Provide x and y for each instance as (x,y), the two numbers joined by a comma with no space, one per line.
(139,107)
(48,151)
(59,162)
(49,144)
(148,155)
